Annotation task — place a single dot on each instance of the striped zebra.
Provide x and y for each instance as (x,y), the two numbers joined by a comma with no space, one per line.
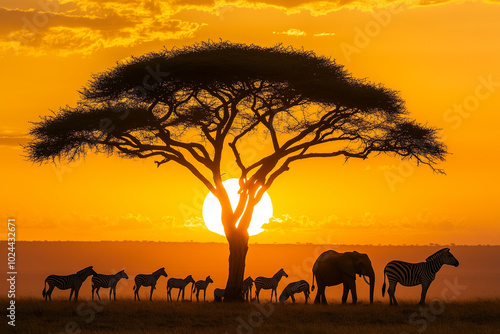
(106,281)
(269,283)
(177,283)
(293,288)
(73,282)
(147,280)
(219,294)
(411,274)
(201,285)
(247,288)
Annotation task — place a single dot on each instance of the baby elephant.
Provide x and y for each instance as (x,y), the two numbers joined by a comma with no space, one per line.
(293,288)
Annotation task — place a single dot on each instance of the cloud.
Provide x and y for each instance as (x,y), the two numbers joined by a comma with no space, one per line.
(423,221)
(88,26)
(68,27)
(12,138)
(291,32)
(323,34)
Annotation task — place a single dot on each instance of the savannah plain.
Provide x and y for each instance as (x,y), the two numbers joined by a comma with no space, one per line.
(465,299)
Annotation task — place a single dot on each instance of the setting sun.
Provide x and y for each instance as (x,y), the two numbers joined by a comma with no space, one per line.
(212,210)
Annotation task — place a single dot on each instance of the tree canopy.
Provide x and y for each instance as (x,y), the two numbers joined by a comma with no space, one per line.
(150,106)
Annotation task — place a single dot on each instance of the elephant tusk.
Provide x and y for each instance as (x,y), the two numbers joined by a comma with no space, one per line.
(365,280)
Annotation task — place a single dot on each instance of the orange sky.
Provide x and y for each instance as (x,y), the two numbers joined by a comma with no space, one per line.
(443,58)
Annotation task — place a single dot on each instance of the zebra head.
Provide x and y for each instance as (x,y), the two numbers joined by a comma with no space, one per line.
(161,272)
(283,273)
(444,256)
(208,279)
(123,274)
(448,258)
(189,279)
(284,296)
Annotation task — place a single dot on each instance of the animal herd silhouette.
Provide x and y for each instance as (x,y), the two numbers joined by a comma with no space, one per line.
(327,267)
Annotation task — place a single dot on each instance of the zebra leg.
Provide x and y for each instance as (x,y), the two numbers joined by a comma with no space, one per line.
(179,294)
(306,295)
(110,292)
(93,288)
(425,287)
(137,293)
(97,292)
(71,294)
(293,298)
(114,293)
(257,295)
(76,293)
(392,293)
(49,292)
(151,293)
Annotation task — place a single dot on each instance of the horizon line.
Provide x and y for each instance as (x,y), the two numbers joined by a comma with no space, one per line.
(271,244)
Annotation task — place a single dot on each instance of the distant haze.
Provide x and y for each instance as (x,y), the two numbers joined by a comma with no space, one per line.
(477,274)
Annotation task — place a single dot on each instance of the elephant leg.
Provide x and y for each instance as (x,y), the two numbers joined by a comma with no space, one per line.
(354,293)
(345,293)
(320,295)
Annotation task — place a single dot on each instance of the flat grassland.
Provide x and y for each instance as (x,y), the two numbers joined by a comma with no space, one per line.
(128,316)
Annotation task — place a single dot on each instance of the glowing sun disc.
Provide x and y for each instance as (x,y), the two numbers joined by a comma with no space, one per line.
(212,210)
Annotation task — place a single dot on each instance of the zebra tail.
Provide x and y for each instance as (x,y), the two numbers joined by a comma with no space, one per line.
(312,287)
(384,285)
(44,287)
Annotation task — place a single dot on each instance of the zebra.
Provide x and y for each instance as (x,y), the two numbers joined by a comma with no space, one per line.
(293,288)
(219,294)
(411,274)
(269,283)
(107,281)
(73,282)
(247,288)
(180,284)
(201,285)
(147,280)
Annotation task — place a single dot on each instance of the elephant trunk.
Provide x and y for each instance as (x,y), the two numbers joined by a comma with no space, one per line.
(371,275)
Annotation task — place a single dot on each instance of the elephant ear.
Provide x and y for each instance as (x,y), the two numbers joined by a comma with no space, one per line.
(346,265)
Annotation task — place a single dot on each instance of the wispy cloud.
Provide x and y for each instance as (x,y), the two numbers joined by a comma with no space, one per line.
(291,32)
(12,138)
(324,34)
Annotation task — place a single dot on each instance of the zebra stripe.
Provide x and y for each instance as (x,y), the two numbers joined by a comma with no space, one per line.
(201,285)
(247,288)
(219,294)
(269,283)
(147,280)
(177,283)
(106,281)
(73,282)
(293,288)
(411,274)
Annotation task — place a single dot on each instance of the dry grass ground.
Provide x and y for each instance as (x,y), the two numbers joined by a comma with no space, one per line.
(126,316)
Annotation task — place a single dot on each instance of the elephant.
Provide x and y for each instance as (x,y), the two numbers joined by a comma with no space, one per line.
(332,268)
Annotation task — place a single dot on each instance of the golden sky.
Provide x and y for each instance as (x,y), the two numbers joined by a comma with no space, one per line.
(441,55)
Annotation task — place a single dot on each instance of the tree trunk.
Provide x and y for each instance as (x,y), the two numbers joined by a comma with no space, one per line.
(238,247)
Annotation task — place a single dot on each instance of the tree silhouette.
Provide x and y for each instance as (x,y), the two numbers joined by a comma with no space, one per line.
(194,106)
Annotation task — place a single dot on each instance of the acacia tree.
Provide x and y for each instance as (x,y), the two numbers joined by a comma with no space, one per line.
(194,106)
